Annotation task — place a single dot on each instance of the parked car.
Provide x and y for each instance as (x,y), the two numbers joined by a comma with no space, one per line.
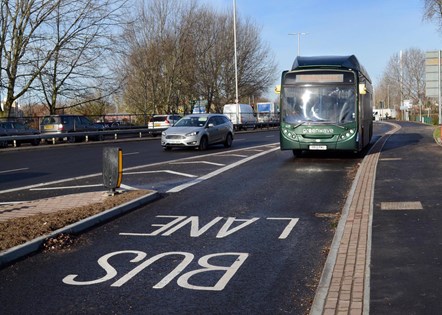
(199,131)
(55,124)
(163,121)
(13,128)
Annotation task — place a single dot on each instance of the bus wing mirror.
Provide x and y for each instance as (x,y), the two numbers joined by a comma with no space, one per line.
(362,89)
(278,89)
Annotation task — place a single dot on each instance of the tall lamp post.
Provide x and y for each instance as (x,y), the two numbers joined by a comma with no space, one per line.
(234,47)
(299,39)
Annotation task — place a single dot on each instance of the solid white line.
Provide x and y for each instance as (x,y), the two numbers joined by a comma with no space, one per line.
(14,170)
(160,171)
(235,155)
(198,162)
(66,187)
(219,171)
(132,153)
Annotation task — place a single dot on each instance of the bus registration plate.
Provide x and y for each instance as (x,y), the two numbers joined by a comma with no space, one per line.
(317,147)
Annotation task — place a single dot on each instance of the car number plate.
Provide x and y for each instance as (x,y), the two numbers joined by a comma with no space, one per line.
(49,127)
(174,141)
(317,147)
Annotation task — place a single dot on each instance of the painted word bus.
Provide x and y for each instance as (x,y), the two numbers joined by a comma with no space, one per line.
(326,104)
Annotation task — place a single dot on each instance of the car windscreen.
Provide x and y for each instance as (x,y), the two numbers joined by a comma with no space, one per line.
(192,121)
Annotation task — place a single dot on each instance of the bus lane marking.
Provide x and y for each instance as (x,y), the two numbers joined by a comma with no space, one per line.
(220,273)
(231,225)
(183,280)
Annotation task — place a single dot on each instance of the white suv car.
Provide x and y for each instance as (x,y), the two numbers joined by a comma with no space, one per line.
(199,131)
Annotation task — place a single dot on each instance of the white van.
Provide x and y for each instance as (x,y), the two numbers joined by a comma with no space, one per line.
(241,115)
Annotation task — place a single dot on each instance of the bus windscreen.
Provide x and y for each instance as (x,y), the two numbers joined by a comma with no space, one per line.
(332,104)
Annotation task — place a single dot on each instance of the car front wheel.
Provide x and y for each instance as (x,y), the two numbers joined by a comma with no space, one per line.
(204,143)
(228,141)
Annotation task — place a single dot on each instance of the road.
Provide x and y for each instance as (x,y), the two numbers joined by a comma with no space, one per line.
(240,230)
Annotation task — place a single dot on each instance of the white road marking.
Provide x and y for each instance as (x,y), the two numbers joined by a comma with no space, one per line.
(235,155)
(14,170)
(219,171)
(198,162)
(132,153)
(66,187)
(160,171)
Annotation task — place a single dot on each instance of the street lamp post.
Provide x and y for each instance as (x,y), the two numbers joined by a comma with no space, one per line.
(299,39)
(236,58)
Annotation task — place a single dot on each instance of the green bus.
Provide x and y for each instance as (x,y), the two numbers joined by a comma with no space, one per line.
(326,104)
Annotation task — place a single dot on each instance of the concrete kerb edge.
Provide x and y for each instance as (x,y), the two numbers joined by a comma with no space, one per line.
(17,252)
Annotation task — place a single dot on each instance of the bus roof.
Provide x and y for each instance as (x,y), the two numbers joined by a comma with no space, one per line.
(330,62)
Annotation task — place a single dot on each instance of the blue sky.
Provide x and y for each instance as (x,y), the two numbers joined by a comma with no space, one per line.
(372,30)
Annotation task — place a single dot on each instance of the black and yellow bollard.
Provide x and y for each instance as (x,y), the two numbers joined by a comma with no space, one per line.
(112,168)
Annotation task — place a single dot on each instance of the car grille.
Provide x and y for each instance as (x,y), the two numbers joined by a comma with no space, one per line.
(175,137)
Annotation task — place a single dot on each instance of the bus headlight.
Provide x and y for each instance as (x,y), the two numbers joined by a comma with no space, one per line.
(347,135)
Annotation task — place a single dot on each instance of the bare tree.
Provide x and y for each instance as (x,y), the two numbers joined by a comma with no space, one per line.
(56,49)
(82,40)
(23,53)
(215,60)
(159,60)
(403,79)
(179,52)
(433,11)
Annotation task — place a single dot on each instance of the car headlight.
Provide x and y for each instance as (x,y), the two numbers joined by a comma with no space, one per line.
(163,133)
(192,134)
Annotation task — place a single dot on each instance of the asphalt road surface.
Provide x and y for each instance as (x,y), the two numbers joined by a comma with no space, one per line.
(245,230)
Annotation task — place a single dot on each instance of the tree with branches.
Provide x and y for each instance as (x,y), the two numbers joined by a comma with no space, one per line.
(180,52)
(54,50)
